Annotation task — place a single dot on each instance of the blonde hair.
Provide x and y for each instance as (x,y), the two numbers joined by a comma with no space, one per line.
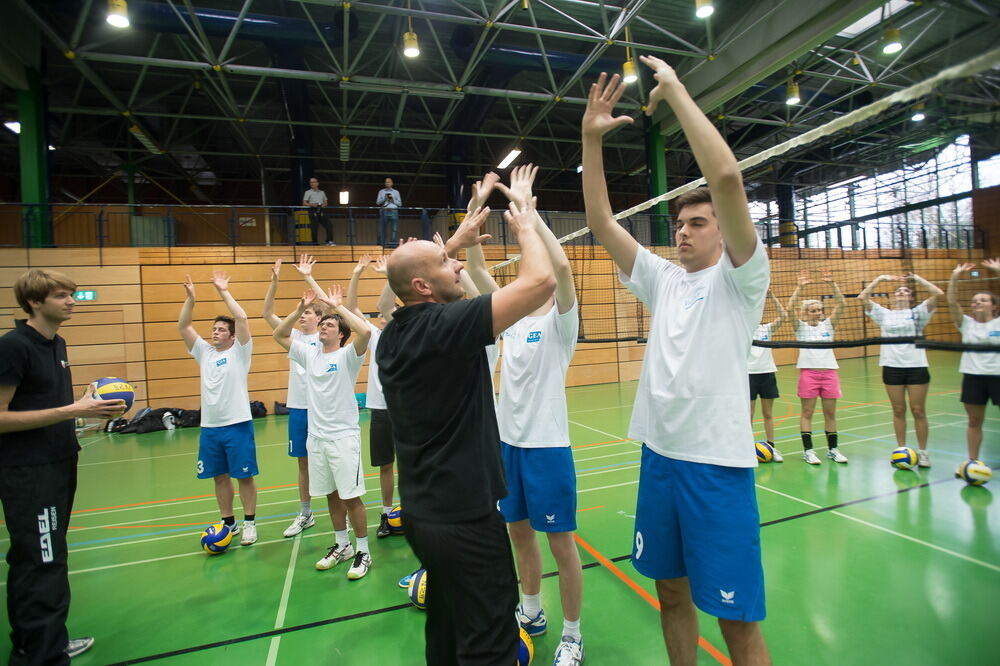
(809,301)
(36,285)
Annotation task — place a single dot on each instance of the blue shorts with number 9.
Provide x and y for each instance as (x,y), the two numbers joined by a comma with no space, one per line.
(701,521)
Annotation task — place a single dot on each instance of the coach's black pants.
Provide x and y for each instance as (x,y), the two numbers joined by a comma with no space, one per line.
(37,501)
(471,590)
(316,218)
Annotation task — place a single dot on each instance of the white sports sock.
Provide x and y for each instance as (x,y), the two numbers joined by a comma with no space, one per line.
(572,629)
(342,539)
(531,604)
(305,508)
(362,545)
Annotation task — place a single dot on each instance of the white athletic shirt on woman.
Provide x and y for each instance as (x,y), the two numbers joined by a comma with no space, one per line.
(374,398)
(815,359)
(224,396)
(980,333)
(297,374)
(693,400)
(330,379)
(536,355)
(901,323)
(761,359)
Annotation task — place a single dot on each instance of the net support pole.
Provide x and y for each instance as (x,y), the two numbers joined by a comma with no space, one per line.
(787,235)
(656,178)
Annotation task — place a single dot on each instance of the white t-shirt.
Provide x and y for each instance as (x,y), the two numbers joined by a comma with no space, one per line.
(897,324)
(980,333)
(297,374)
(374,398)
(693,401)
(815,359)
(224,396)
(315,196)
(536,355)
(330,379)
(761,359)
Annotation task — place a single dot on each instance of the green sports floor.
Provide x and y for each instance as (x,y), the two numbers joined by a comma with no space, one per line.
(864,564)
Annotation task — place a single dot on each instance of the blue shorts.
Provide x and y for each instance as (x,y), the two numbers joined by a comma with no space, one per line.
(701,521)
(298,431)
(541,487)
(227,450)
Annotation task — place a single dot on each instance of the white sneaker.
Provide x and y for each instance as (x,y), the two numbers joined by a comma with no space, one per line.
(301,522)
(810,457)
(569,652)
(234,529)
(78,646)
(362,563)
(776,455)
(335,556)
(836,456)
(249,537)
(923,458)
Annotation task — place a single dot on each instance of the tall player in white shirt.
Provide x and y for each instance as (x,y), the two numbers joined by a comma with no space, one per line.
(980,370)
(298,412)
(904,366)
(534,431)
(692,405)
(334,434)
(226,448)
(818,377)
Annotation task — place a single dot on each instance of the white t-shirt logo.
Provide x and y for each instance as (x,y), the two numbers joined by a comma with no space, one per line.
(331,367)
(534,336)
(220,362)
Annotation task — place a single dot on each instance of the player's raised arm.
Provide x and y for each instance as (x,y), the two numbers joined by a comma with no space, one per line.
(283,331)
(714,157)
(221,282)
(535,282)
(188,333)
(598,121)
(272,319)
(362,331)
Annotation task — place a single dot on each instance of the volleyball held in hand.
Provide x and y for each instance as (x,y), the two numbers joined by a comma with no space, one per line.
(974,472)
(903,458)
(115,388)
(216,538)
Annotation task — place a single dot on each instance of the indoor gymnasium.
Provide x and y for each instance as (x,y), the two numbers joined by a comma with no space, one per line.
(316,313)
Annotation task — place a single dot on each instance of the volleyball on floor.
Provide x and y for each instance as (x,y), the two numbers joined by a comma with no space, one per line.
(974,472)
(903,458)
(417,589)
(765,452)
(114,388)
(525,649)
(216,538)
(395,518)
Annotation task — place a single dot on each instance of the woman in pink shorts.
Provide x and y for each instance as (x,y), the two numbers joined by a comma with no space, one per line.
(818,376)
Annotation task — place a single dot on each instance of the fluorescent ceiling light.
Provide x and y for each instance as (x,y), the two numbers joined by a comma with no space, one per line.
(873,18)
(345,197)
(511,156)
(13,126)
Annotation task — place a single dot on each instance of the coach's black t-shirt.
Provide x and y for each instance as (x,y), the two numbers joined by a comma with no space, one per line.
(39,368)
(436,380)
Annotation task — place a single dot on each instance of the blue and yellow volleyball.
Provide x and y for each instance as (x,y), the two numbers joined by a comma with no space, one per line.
(115,388)
(395,518)
(765,452)
(903,458)
(974,472)
(216,538)
(525,649)
(417,589)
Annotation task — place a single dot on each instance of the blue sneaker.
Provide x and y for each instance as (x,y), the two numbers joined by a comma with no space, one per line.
(569,652)
(404,582)
(535,626)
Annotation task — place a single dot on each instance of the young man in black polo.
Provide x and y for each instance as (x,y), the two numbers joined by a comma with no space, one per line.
(38,457)
(437,385)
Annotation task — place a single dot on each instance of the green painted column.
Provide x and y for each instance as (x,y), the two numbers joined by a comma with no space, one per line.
(656,172)
(33,147)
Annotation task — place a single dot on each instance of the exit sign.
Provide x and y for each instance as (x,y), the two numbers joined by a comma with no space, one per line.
(85,296)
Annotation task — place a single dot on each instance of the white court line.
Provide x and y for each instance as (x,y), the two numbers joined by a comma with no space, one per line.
(272,651)
(886,530)
(601,431)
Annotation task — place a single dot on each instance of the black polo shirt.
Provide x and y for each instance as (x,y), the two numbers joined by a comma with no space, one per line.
(438,390)
(39,368)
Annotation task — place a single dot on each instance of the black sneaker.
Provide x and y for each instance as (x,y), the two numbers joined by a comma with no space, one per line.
(78,646)
(383,527)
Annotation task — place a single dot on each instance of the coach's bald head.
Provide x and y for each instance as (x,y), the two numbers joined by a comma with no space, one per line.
(421,271)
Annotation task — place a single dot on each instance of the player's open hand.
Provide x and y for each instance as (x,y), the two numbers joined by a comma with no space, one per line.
(597,119)
(666,78)
(305,265)
(521,180)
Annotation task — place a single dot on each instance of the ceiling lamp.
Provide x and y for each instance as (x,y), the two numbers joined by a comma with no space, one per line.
(893,44)
(918,112)
(345,197)
(410,47)
(629,73)
(703,8)
(511,156)
(345,149)
(13,126)
(118,13)
(792,93)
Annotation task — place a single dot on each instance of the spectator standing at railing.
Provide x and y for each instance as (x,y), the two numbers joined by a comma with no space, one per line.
(315,199)
(390,201)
